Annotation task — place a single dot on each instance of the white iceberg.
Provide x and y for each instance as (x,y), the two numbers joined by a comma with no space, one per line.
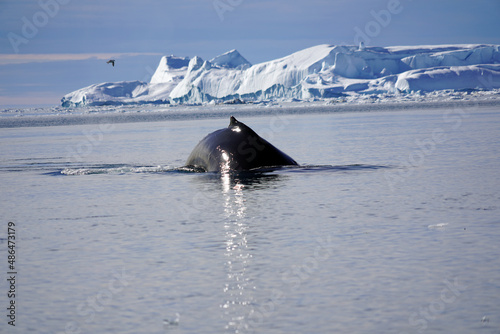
(485,76)
(231,59)
(319,72)
(170,69)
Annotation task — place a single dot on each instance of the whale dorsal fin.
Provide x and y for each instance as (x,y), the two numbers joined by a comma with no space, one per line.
(233,121)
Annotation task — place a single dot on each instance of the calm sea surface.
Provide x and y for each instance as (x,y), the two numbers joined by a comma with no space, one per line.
(391,225)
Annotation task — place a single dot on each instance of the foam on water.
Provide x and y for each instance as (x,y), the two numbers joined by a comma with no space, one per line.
(116,170)
(127,169)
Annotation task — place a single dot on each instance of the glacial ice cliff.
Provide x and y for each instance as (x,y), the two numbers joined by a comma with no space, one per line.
(319,72)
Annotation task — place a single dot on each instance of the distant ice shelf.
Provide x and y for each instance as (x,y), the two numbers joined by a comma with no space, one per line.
(323,72)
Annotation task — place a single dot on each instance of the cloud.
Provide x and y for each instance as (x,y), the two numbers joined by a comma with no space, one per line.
(9,59)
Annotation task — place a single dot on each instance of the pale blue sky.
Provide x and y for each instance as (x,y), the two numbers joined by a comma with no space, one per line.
(51,47)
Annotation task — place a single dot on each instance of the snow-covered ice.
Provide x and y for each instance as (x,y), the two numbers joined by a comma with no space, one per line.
(319,72)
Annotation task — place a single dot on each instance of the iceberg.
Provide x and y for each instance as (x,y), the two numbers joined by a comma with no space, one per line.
(318,72)
(231,59)
(170,69)
(118,93)
(454,77)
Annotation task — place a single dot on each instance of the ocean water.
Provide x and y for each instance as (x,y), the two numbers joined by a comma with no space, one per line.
(391,225)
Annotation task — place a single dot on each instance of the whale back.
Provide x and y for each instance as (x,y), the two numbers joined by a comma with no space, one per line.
(238,148)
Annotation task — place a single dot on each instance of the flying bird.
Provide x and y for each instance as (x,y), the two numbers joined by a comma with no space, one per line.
(111,61)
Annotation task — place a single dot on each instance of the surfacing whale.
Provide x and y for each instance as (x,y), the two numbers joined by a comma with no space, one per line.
(236,148)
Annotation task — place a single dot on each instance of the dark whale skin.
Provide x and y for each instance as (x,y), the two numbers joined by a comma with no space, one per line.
(236,148)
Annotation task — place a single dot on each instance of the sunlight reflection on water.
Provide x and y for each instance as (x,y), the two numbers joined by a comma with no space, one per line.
(238,289)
